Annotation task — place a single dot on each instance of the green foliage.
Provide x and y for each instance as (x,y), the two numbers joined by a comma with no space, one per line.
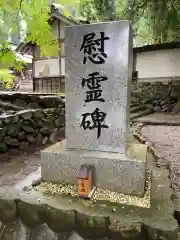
(154,21)
(88,11)
(7,60)
(8,57)
(6,78)
(97,10)
(36,14)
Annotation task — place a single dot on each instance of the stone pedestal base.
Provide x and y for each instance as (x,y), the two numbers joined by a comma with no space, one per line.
(114,171)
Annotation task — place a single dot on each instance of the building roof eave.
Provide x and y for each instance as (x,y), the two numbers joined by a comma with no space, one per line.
(156,47)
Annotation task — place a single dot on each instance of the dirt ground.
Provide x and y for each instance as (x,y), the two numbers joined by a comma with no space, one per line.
(15,167)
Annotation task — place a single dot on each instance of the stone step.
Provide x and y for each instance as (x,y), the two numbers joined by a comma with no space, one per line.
(136,93)
(140,114)
(134,103)
(137,108)
(17,230)
(134,99)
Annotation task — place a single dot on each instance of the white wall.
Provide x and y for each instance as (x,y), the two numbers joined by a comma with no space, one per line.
(62,65)
(47,67)
(158,64)
(55,29)
(62,25)
(52,67)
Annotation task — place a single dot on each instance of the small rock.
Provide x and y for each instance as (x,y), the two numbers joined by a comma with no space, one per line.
(45,140)
(30,138)
(164,102)
(46,131)
(157,109)
(8,120)
(49,101)
(11,141)
(34,98)
(36,182)
(157,96)
(114,210)
(53,136)
(22,136)
(25,122)
(26,115)
(35,132)
(13,130)
(27,129)
(48,122)
(38,114)
(167,108)
(15,118)
(34,123)
(155,102)
(3,147)
(33,105)
(20,103)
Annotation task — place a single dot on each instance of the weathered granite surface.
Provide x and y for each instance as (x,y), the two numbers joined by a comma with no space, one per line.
(116,89)
(114,171)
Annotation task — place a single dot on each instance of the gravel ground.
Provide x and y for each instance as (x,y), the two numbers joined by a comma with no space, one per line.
(166,139)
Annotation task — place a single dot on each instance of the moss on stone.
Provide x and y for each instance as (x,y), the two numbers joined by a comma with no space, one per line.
(161,228)
(31,214)
(8,211)
(60,220)
(92,225)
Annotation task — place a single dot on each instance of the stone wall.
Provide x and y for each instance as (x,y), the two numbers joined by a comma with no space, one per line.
(25,100)
(28,119)
(27,127)
(161,97)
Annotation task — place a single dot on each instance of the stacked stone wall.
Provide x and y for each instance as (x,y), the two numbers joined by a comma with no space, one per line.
(39,120)
(161,97)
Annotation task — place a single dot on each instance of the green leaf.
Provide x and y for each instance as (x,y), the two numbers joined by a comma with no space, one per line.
(6,78)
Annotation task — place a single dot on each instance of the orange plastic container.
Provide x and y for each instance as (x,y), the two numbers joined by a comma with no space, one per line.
(84,180)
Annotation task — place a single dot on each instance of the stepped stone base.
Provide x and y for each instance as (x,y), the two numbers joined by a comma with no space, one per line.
(118,172)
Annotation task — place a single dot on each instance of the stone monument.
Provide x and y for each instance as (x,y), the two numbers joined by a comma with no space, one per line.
(98,91)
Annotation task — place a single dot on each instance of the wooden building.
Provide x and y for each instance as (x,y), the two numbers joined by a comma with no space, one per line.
(48,73)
